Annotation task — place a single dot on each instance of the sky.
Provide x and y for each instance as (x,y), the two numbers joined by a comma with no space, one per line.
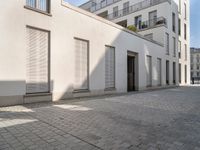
(194,20)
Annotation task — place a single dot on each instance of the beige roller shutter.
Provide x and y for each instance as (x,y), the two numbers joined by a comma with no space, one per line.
(37,80)
(81,64)
(149,71)
(110,67)
(159,68)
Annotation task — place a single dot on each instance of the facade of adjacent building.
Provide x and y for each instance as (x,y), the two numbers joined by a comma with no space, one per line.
(195,62)
(165,21)
(51,50)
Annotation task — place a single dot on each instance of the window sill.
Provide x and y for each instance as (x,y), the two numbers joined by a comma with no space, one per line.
(110,89)
(38,11)
(81,91)
(37,94)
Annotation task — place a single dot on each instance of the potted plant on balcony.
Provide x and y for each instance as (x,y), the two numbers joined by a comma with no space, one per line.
(161,21)
(144,25)
(132,28)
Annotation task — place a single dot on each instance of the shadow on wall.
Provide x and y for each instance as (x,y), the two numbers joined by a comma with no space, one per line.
(99,74)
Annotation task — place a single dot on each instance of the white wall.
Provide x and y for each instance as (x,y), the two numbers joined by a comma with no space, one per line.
(66,23)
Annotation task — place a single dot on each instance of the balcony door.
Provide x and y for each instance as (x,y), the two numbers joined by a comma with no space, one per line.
(152,18)
(138,22)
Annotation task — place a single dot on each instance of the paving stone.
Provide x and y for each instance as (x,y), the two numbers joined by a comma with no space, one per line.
(162,120)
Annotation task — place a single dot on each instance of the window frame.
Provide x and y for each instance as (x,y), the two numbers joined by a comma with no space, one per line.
(76,90)
(47,12)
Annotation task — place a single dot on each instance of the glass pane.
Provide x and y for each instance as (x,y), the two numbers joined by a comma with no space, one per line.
(31,3)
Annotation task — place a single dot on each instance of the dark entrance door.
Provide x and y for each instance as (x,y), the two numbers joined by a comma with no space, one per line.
(131,73)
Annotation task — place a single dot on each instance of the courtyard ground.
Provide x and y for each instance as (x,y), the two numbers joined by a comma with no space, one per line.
(157,120)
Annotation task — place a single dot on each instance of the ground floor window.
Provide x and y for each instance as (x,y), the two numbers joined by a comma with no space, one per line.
(179,73)
(167,72)
(159,71)
(109,67)
(81,64)
(148,71)
(37,79)
(174,72)
(185,73)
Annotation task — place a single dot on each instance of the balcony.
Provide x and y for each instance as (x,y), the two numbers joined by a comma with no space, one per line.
(151,23)
(136,7)
(104,3)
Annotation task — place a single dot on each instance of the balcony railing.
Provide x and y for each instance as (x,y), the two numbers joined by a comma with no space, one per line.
(134,8)
(104,3)
(151,23)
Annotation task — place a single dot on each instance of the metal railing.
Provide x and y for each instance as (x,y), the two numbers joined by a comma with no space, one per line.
(134,8)
(151,23)
(104,3)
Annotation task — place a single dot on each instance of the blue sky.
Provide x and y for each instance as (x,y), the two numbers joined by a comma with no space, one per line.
(194,18)
(195,23)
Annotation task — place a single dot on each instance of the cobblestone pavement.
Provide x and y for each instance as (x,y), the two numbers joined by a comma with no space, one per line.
(158,120)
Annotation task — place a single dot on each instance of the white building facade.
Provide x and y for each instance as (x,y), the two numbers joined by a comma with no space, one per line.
(195,62)
(51,50)
(165,21)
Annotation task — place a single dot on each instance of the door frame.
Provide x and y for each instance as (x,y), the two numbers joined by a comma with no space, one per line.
(136,70)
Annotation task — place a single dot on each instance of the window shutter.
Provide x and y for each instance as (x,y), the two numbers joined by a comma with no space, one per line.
(149,71)
(81,64)
(110,67)
(159,67)
(37,61)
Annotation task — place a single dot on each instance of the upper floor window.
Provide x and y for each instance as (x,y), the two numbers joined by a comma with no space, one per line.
(167,43)
(198,58)
(179,6)
(174,46)
(42,5)
(185,52)
(173,22)
(126,8)
(179,27)
(185,11)
(192,58)
(138,22)
(179,49)
(185,32)
(115,11)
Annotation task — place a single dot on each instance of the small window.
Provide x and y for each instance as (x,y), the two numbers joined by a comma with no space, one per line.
(42,5)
